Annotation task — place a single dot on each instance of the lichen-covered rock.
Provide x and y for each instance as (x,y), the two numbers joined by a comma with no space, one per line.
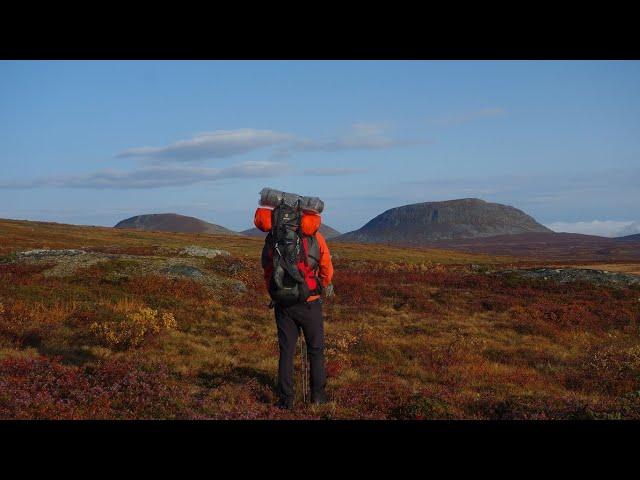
(195,251)
(63,263)
(182,270)
(43,252)
(116,277)
(564,275)
(239,286)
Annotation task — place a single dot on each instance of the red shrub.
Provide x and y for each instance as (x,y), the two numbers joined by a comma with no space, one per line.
(373,399)
(41,388)
(135,392)
(240,401)
(333,368)
(610,370)
(353,288)
(155,285)
(21,273)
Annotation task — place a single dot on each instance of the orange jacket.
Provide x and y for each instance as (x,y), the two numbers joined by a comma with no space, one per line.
(325,267)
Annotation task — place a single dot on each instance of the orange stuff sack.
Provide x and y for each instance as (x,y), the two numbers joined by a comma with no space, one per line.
(262,219)
(310,223)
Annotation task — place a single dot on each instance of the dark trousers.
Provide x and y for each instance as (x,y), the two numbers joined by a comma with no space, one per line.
(308,316)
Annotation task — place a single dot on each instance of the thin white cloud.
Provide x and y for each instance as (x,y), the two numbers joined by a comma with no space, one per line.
(360,136)
(168,163)
(228,143)
(604,228)
(156,177)
(211,145)
(467,117)
(332,172)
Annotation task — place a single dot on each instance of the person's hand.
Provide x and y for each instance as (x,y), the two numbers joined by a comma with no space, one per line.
(329,290)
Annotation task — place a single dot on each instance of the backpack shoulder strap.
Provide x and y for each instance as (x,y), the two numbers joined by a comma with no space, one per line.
(267,254)
(311,249)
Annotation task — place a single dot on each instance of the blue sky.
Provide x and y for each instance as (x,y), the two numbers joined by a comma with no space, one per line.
(96,142)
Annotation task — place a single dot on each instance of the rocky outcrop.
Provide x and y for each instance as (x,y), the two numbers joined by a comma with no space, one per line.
(182,270)
(197,267)
(43,252)
(195,251)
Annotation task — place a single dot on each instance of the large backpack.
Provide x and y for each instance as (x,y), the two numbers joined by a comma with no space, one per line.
(294,252)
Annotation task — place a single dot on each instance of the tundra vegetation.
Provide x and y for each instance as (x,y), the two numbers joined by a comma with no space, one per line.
(136,324)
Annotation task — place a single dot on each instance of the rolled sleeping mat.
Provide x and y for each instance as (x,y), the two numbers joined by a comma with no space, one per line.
(270,197)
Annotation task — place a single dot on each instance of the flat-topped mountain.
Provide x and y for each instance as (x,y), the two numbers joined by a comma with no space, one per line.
(426,222)
(172,222)
(326,231)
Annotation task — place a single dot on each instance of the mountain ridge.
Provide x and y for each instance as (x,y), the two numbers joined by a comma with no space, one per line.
(172,222)
(635,237)
(426,222)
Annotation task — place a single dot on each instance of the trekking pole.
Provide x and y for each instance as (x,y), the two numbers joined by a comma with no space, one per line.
(303,365)
(307,373)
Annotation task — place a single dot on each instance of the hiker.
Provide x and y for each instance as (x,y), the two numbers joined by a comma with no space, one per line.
(297,270)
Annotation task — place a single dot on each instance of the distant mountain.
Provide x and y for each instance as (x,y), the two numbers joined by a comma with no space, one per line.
(629,238)
(172,222)
(326,231)
(422,223)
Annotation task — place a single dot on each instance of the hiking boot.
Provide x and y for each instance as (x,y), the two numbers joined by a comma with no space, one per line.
(285,404)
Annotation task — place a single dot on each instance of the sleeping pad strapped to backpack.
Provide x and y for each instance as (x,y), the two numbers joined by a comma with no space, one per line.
(293,250)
